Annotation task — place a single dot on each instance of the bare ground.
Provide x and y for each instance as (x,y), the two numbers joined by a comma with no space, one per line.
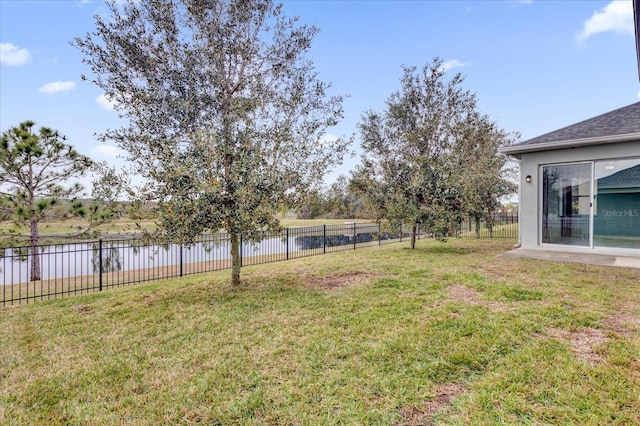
(586,343)
(445,393)
(461,293)
(339,281)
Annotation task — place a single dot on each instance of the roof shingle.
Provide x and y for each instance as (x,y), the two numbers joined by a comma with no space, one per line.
(622,121)
(625,178)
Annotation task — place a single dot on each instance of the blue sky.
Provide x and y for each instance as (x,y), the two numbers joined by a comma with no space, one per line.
(535,66)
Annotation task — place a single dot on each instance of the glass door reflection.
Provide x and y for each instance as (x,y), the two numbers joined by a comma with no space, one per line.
(566,204)
(616,214)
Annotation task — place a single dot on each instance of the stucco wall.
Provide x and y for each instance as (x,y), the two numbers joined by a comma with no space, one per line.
(531,193)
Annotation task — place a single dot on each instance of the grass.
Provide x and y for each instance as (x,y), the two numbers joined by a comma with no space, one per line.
(122,227)
(56,228)
(301,223)
(446,334)
(508,230)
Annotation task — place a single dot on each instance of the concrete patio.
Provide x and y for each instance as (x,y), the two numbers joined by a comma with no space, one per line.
(622,260)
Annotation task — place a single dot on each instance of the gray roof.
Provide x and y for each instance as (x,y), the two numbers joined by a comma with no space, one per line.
(627,178)
(622,124)
(622,121)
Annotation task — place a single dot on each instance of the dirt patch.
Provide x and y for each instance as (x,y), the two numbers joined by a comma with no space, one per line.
(302,278)
(424,415)
(338,281)
(461,293)
(622,322)
(501,272)
(82,309)
(584,343)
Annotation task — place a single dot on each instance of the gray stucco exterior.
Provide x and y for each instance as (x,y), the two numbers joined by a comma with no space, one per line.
(611,136)
(531,165)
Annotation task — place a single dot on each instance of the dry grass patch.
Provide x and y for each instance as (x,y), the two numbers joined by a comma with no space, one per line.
(585,343)
(422,416)
(471,296)
(622,322)
(304,278)
(332,282)
(461,293)
(82,309)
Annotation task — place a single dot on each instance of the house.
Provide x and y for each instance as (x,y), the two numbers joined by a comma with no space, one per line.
(580,185)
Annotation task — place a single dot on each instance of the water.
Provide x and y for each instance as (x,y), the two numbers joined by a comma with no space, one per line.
(80,259)
(83,259)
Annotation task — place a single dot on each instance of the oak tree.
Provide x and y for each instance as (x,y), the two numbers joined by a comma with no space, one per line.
(225,111)
(422,150)
(488,176)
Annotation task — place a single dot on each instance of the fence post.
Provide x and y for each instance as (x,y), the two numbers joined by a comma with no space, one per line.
(324,238)
(355,236)
(180,259)
(400,232)
(287,243)
(379,232)
(241,251)
(100,264)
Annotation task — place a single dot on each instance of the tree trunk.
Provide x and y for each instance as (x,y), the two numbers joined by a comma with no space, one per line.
(477,219)
(414,231)
(235,259)
(35,256)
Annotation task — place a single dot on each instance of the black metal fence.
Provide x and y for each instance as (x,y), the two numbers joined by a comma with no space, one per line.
(89,266)
(502,225)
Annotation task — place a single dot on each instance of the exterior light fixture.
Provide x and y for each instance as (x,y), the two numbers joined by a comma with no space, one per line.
(528,179)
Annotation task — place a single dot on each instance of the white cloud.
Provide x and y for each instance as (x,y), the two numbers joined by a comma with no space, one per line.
(108,151)
(11,55)
(105,102)
(617,16)
(454,63)
(57,86)
(327,139)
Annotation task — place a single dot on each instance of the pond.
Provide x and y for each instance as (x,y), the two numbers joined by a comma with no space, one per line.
(84,258)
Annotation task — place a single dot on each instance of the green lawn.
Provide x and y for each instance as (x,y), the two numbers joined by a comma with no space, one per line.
(447,333)
(122,227)
(72,227)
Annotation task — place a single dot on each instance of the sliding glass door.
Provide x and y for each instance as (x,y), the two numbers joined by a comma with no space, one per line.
(592,204)
(616,216)
(566,204)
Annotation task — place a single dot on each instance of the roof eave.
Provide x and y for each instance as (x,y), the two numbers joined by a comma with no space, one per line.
(516,150)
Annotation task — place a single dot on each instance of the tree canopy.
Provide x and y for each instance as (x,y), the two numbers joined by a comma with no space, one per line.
(34,171)
(430,157)
(226,113)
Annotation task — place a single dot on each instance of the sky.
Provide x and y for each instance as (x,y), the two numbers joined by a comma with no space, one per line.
(535,65)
